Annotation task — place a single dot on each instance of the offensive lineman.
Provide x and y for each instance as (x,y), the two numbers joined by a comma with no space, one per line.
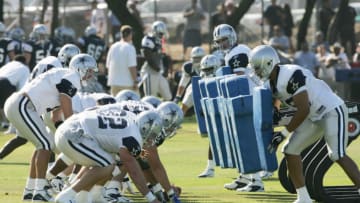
(24,108)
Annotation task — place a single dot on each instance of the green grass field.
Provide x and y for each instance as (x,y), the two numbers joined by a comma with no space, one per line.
(184,156)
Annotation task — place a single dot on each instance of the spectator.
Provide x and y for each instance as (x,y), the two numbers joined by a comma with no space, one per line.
(279,41)
(319,40)
(218,17)
(356,57)
(326,13)
(192,33)
(347,28)
(230,8)
(288,22)
(307,59)
(132,6)
(321,55)
(98,19)
(115,27)
(337,59)
(121,62)
(273,16)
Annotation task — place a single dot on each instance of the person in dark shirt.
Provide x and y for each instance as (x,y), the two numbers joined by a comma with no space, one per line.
(273,16)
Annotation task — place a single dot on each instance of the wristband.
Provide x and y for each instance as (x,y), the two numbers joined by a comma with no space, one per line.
(150,197)
(285,132)
(170,193)
(58,123)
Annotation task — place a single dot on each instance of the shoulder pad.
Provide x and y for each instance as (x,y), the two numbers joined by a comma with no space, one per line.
(148,42)
(187,67)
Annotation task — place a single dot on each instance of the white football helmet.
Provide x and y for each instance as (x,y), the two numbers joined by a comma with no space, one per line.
(89,30)
(172,117)
(126,95)
(17,33)
(196,54)
(84,64)
(154,101)
(67,52)
(224,37)
(263,59)
(208,65)
(150,125)
(159,29)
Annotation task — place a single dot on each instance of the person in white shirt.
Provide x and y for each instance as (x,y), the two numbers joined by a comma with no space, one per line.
(50,91)
(98,19)
(320,113)
(121,63)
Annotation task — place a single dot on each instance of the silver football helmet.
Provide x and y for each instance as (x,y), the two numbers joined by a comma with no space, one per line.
(263,59)
(154,101)
(67,52)
(159,29)
(150,125)
(84,64)
(196,54)
(40,32)
(17,33)
(172,117)
(208,65)
(126,95)
(89,30)
(224,37)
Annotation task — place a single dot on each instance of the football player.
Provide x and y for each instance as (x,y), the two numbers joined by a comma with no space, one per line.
(51,91)
(152,80)
(237,58)
(320,113)
(7,46)
(92,44)
(38,46)
(189,69)
(91,139)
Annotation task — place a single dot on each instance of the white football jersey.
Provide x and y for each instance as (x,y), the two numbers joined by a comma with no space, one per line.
(293,79)
(83,100)
(135,107)
(44,90)
(238,57)
(112,127)
(17,73)
(44,65)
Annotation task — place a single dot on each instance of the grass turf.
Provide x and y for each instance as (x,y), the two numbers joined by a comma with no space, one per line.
(184,157)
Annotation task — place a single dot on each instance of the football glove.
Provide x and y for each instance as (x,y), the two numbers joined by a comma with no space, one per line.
(277,138)
(276,116)
(177,99)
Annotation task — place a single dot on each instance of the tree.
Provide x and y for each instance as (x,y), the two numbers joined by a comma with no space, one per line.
(302,32)
(2,10)
(55,16)
(121,11)
(240,11)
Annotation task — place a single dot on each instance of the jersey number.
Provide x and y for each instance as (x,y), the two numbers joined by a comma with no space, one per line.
(111,122)
(94,51)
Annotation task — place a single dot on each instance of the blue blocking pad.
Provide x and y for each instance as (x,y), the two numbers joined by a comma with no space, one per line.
(241,117)
(199,113)
(262,107)
(225,70)
(237,85)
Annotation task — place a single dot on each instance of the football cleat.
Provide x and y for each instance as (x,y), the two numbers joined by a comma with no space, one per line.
(266,174)
(303,201)
(253,186)
(42,196)
(57,184)
(207,173)
(113,195)
(28,195)
(240,182)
